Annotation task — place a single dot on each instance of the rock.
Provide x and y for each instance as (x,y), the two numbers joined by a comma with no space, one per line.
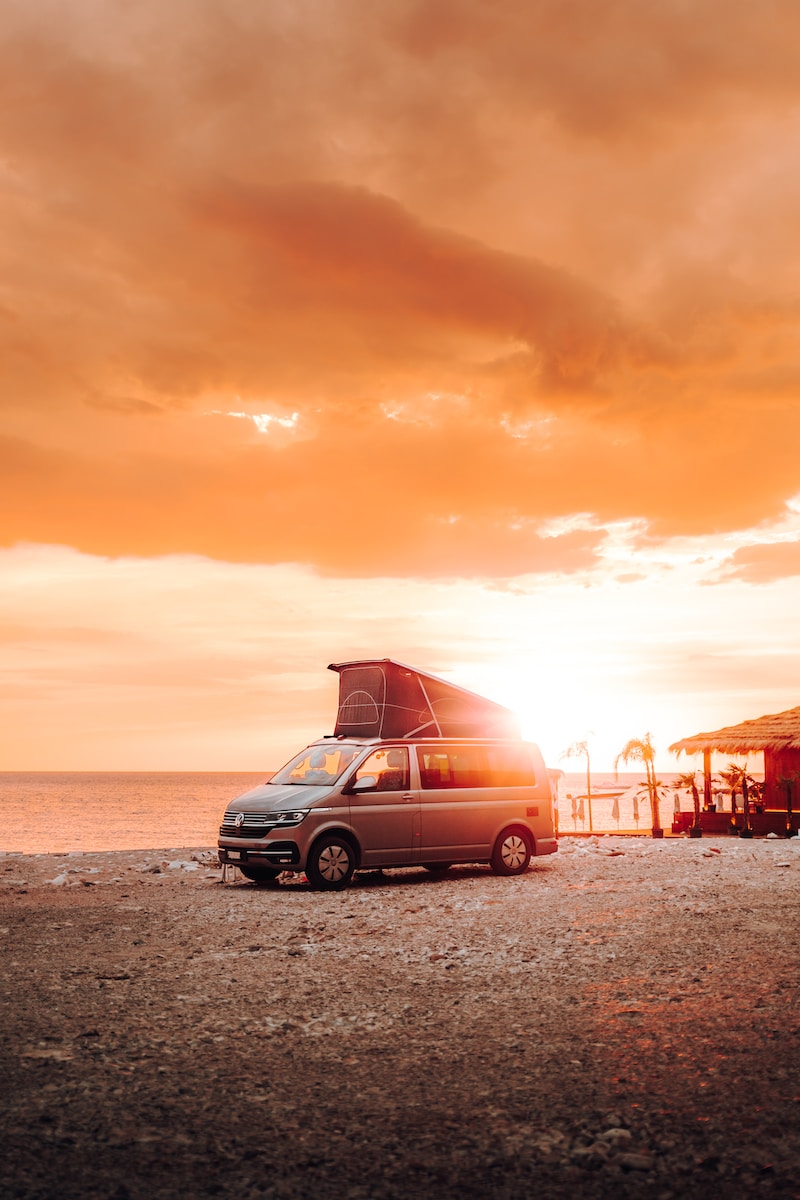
(635,1162)
(616,1134)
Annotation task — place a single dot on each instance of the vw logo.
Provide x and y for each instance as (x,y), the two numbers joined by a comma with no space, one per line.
(239,822)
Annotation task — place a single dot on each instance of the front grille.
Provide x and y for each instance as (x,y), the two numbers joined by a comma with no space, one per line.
(254,825)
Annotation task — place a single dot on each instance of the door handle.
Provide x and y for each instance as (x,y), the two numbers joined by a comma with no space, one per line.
(407,798)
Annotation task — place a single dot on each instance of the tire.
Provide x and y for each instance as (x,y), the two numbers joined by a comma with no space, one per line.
(258,874)
(437,868)
(331,862)
(512,852)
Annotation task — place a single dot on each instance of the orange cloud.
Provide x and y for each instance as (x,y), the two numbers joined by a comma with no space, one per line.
(508,263)
(764,564)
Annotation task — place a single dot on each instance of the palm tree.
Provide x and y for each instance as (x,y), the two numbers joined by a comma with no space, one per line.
(730,778)
(581,750)
(687,782)
(788,783)
(642,750)
(737,779)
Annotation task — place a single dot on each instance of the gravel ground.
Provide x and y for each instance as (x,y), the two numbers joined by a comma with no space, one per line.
(620,1021)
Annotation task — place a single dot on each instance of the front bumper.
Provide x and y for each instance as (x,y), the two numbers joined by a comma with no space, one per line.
(283,856)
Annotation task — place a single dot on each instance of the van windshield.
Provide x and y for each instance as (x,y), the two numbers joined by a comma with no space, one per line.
(317,765)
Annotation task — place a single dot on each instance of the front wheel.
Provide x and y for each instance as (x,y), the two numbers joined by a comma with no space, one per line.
(331,863)
(512,853)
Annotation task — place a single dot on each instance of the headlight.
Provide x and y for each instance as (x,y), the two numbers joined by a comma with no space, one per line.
(290,818)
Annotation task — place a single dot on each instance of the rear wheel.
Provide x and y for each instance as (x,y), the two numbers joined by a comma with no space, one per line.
(331,862)
(512,852)
(259,874)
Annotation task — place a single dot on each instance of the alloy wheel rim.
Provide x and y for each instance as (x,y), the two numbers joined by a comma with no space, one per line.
(333,863)
(513,851)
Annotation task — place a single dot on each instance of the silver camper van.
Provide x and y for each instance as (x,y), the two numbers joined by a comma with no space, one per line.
(418,772)
(345,804)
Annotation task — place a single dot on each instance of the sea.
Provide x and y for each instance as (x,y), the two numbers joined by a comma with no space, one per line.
(58,813)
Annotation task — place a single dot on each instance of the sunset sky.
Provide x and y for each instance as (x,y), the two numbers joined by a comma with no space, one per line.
(464,332)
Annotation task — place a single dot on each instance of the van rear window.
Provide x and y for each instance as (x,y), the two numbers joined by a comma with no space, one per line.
(475,766)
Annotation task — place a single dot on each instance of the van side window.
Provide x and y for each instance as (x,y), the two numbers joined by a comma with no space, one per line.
(452,767)
(475,766)
(389,767)
(510,766)
(434,769)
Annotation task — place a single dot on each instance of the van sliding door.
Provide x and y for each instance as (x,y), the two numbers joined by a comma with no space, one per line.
(457,814)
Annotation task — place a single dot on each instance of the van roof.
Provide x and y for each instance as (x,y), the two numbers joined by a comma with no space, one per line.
(381,698)
(423,740)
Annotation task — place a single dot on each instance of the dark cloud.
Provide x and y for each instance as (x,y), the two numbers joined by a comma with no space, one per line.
(337,255)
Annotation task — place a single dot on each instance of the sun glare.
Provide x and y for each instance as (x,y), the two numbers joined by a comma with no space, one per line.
(557,708)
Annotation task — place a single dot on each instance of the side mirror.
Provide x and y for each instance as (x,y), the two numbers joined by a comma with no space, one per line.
(365,784)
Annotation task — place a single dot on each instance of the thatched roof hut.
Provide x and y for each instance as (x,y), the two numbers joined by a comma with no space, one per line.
(778,731)
(776,735)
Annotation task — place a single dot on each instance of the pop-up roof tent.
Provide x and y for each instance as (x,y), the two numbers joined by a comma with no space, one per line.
(382,698)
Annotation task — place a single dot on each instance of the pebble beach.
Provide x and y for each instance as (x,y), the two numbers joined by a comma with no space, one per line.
(622,1020)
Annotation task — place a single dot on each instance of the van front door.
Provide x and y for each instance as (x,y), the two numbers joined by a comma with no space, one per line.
(384,809)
